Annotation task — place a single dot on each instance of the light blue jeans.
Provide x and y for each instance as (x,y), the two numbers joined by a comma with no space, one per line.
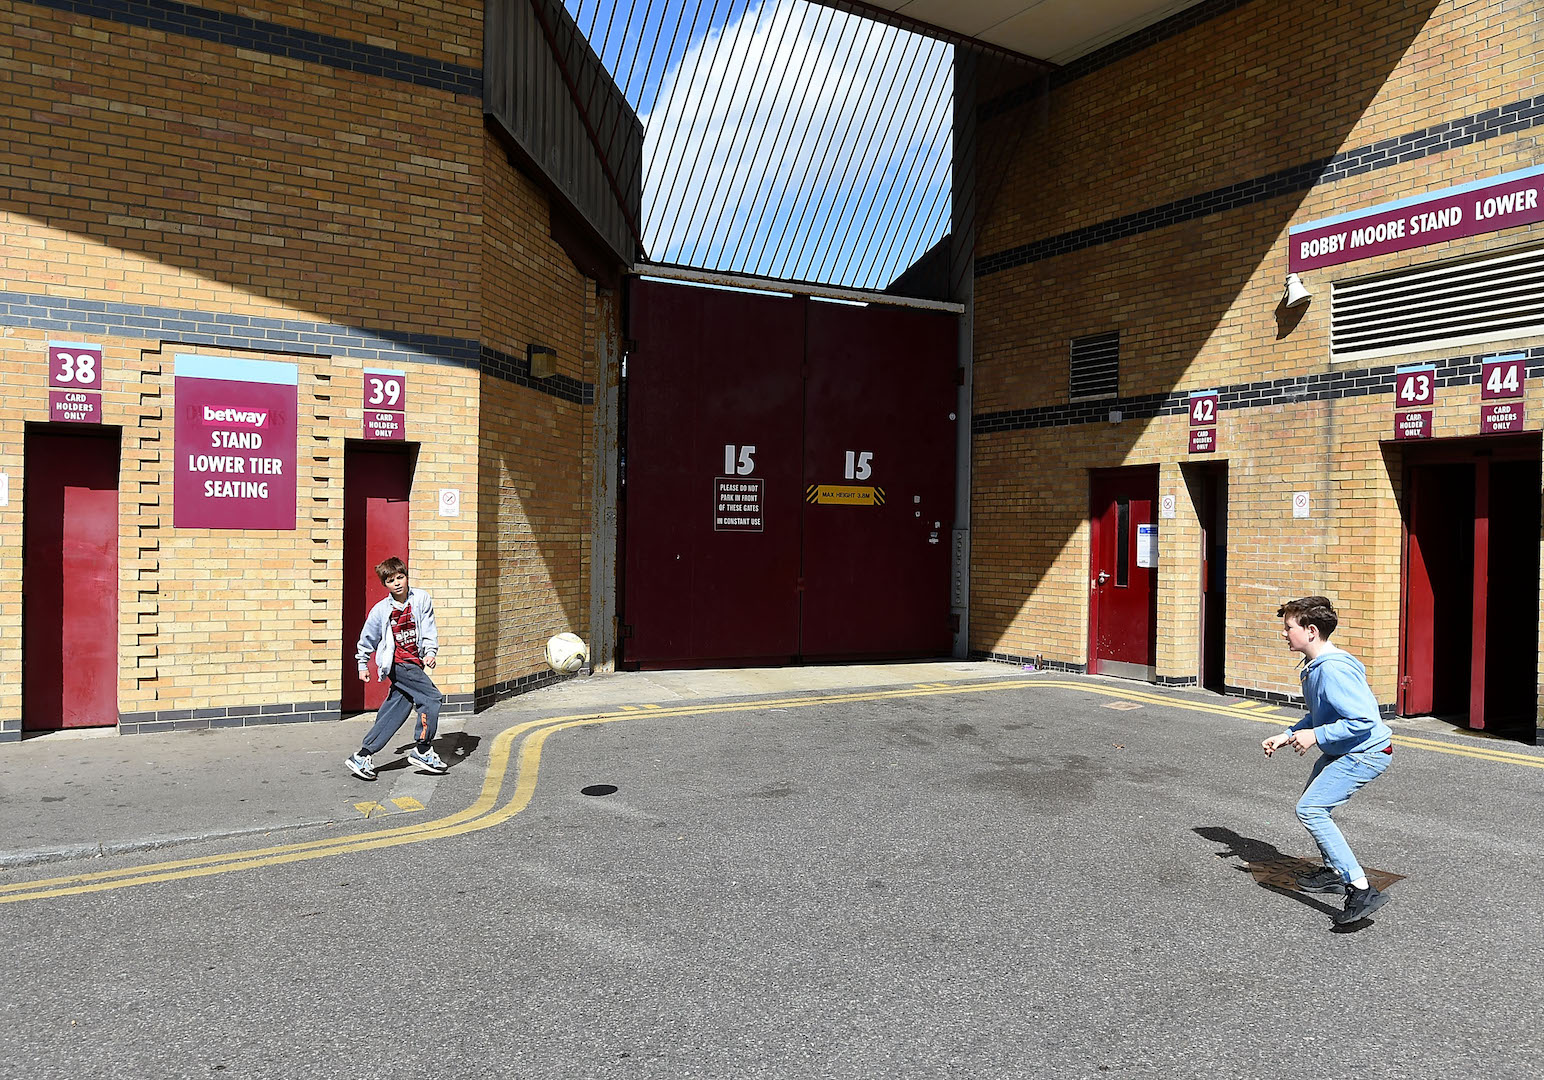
(1333,781)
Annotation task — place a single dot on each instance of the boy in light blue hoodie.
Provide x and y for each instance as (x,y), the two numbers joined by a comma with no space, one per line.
(1355,747)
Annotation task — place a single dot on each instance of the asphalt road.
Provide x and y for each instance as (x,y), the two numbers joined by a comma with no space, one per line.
(1015,881)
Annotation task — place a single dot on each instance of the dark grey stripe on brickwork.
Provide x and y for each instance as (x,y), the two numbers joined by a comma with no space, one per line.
(1518,116)
(1029,662)
(1342,382)
(1131,44)
(96,318)
(183,326)
(488,696)
(1175,680)
(517,369)
(274,39)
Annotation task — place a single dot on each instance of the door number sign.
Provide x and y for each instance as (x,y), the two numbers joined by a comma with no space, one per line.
(1415,392)
(1203,422)
(1501,394)
(385,404)
(74,382)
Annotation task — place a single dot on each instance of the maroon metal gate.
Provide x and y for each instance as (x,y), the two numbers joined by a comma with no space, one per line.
(789,482)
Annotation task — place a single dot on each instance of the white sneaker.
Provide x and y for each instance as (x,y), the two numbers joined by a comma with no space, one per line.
(360,765)
(427,760)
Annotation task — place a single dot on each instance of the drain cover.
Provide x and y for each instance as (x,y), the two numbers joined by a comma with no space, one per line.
(598,789)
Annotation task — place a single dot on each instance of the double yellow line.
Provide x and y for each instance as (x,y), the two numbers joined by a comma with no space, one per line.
(524,742)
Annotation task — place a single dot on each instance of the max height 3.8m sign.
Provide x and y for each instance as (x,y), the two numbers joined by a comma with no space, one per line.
(235,443)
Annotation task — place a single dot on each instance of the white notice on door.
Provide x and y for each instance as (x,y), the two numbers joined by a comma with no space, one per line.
(1147,546)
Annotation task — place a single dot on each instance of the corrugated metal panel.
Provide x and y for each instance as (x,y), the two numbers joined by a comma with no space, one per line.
(546,88)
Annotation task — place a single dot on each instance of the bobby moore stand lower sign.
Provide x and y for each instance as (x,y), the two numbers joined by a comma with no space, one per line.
(235,443)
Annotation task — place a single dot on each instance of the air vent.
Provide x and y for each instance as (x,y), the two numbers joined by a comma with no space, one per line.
(1096,366)
(1456,303)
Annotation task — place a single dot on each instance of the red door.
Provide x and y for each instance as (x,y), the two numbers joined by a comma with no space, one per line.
(377,485)
(879,482)
(714,477)
(70,582)
(1469,625)
(1123,596)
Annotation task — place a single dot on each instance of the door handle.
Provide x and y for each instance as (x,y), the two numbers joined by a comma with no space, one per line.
(1103,577)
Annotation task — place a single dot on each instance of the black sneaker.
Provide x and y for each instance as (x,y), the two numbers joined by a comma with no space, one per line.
(1325,879)
(1360,903)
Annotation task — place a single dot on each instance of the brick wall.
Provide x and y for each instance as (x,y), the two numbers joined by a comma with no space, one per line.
(536,442)
(264,182)
(1151,193)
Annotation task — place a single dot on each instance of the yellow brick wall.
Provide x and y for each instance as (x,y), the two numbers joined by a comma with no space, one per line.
(212,186)
(1196,306)
(535,447)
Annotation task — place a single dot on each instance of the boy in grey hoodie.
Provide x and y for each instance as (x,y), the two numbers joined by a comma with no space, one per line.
(1355,747)
(400,631)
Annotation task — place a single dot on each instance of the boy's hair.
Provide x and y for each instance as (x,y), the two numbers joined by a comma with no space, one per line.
(395,565)
(1312,611)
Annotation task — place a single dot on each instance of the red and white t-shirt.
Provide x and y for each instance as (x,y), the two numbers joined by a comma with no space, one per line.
(404,632)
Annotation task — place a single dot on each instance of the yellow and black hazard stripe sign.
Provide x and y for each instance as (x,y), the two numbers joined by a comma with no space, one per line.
(844,495)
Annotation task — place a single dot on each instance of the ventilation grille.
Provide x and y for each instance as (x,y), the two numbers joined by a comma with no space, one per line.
(1096,366)
(1456,303)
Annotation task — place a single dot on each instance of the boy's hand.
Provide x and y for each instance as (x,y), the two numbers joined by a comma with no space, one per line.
(364,674)
(1276,742)
(430,660)
(1302,740)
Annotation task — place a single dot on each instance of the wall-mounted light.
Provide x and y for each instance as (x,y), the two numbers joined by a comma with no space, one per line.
(1296,293)
(543,360)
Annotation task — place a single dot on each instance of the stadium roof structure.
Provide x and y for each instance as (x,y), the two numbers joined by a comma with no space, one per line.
(1051,31)
(820,141)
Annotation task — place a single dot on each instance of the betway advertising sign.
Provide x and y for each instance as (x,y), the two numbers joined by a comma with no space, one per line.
(235,456)
(1515,198)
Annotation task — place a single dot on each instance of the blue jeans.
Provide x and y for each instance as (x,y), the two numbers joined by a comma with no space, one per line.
(1333,781)
(410,689)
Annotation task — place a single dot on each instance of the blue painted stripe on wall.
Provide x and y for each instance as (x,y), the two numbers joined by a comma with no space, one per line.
(235,369)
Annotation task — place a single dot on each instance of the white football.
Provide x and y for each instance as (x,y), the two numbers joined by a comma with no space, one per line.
(566,653)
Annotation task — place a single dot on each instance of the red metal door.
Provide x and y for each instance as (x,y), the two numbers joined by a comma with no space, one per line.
(70,582)
(714,479)
(879,482)
(377,486)
(1123,607)
(1439,594)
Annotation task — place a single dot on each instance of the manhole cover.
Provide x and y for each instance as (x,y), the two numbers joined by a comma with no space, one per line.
(1122,706)
(598,789)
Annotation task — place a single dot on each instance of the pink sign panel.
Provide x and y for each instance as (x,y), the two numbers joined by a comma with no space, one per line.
(236,438)
(1415,424)
(74,407)
(74,366)
(1500,202)
(1203,409)
(1414,387)
(1501,418)
(385,399)
(1502,377)
(1203,440)
(385,425)
(386,390)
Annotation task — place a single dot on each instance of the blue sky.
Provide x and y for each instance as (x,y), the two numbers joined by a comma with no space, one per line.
(782,138)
